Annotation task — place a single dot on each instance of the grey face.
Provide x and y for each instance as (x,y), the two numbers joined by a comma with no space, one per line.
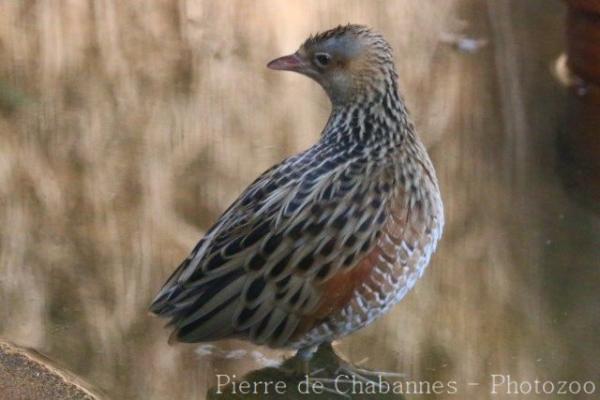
(337,51)
(342,64)
(333,64)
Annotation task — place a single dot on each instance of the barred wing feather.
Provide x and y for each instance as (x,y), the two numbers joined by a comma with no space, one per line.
(261,268)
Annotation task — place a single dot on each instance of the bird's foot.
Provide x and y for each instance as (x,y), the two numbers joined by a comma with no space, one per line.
(365,374)
(347,378)
(333,374)
(377,379)
(300,364)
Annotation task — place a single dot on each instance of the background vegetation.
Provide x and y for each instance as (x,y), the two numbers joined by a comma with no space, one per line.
(126,127)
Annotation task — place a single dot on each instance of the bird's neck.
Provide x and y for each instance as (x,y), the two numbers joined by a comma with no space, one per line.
(376,116)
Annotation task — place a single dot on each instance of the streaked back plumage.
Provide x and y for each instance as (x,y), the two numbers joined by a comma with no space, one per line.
(327,240)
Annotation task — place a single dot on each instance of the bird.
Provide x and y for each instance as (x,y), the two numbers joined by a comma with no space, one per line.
(328,240)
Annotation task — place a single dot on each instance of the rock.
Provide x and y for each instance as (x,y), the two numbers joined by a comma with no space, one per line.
(261,384)
(28,375)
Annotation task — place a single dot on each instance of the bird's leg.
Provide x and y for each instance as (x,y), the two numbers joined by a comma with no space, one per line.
(339,371)
(305,354)
(300,364)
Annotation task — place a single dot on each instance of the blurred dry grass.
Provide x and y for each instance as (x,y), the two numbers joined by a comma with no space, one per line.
(126,127)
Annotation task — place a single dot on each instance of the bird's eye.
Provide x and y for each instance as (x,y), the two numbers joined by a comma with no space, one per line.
(322,59)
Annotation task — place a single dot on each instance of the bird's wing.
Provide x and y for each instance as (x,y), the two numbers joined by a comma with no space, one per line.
(261,268)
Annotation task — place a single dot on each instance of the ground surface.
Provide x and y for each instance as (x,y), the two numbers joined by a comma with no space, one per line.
(25,375)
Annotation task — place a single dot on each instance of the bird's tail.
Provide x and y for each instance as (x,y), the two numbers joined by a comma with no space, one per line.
(200,310)
(161,305)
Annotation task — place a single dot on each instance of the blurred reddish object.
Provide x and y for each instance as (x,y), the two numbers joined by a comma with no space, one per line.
(581,135)
(583,39)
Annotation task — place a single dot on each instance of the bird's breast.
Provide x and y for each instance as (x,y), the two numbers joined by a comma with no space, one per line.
(381,278)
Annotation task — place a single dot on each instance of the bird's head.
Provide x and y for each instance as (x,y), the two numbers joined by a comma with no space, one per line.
(348,61)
